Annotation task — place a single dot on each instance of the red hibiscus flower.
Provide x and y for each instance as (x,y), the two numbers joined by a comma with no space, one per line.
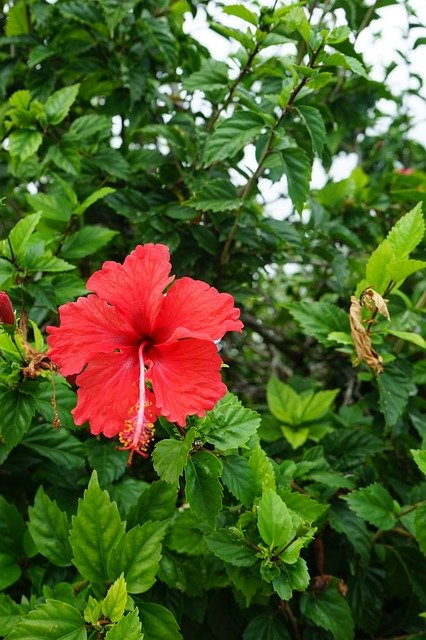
(134,330)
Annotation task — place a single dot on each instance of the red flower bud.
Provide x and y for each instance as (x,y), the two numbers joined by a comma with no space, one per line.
(6,309)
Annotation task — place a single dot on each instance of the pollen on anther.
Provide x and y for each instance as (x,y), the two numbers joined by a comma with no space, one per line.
(127,435)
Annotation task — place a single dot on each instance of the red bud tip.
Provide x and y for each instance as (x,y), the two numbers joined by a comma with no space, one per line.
(6,309)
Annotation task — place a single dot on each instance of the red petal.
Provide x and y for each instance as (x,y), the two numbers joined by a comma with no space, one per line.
(87,328)
(185,378)
(109,389)
(192,308)
(136,287)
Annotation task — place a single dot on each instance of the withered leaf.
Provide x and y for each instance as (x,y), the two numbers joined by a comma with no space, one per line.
(374,300)
(361,338)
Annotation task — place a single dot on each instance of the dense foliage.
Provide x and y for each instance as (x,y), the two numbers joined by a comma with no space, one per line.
(296,508)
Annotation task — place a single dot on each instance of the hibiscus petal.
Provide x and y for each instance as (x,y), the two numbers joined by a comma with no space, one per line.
(192,308)
(136,287)
(88,327)
(109,390)
(185,377)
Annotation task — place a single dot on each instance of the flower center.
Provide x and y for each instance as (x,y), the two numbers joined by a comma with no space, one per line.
(139,429)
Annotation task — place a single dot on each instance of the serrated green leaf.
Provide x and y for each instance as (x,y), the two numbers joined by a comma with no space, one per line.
(409,336)
(88,126)
(49,528)
(345,520)
(296,437)
(262,470)
(86,241)
(158,623)
(295,19)
(283,402)
(95,530)
(46,262)
(65,156)
(231,135)
(395,388)
(407,232)
(24,143)
(156,502)
(12,529)
(203,490)
(318,319)
(274,521)
(329,609)
(373,504)
(57,105)
(308,509)
(226,546)
(314,123)
(338,34)
(266,627)
(238,477)
(129,627)
(216,195)
(114,603)
(53,620)
(16,412)
(297,168)
(10,613)
(109,463)
(212,77)
(94,197)
(229,425)
(137,556)
(401,269)
(240,11)
(21,233)
(170,456)
(10,571)
(420,527)
(347,62)
(377,269)
(419,456)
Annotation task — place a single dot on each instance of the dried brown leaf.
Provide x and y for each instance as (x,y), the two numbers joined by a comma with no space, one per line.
(374,300)
(361,338)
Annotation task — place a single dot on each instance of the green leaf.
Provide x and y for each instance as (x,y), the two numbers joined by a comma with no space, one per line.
(420,459)
(229,425)
(408,336)
(283,402)
(344,520)
(86,241)
(297,167)
(240,11)
(88,126)
(377,269)
(170,456)
(66,157)
(10,613)
(395,388)
(211,78)
(274,521)
(338,34)
(129,627)
(314,123)
(95,530)
(158,623)
(266,627)
(262,470)
(156,502)
(203,490)
(347,62)
(407,233)
(185,535)
(373,504)
(401,269)
(318,319)
(216,195)
(308,509)
(24,143)
(17,22)
(317,405)
(231,135)
(53,620)
(22,232)
(57,105)
(10,571)
(12,529)
(420,527)
(329,609)
(137,556)
(231,548)
(49,528)
(109,463)
(296,437)
(114,603)
(94,197)
(16,412)
(238,477)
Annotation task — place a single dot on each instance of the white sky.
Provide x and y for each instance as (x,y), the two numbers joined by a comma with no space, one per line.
(379,44)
